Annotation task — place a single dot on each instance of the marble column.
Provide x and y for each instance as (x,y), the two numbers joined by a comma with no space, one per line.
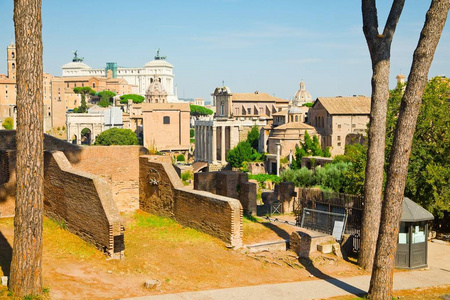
(222,144)
(214,145)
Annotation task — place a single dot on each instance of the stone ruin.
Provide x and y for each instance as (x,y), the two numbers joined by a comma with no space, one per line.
(88,187)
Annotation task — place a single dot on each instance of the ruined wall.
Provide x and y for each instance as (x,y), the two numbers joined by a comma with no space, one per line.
(84,202)
(7,182)
(162,193)
(229,184)
(119,167)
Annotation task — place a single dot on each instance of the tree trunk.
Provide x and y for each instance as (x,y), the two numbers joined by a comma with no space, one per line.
(380,52)
(26,264)
(382,275)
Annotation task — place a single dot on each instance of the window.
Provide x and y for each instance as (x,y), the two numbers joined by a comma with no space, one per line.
(166,120)
(296,118)
(222,109)
(353,125)
(339,125)
(339,138)
(339,144)
(67,84)
(93,85)
(249,111)
(12,55)
(13,66)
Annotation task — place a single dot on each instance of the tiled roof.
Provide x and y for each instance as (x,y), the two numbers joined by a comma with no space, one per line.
(295,125)
(359,105)
(260,97)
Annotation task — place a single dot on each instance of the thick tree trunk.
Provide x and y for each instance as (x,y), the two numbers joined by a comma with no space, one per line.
(26,264)
(380,52)
(382,275)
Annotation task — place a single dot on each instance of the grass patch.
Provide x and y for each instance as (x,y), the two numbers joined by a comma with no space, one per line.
(250,219)
(64,244)
(148,226)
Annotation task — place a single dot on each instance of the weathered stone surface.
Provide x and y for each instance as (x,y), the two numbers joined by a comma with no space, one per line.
(152,284)
(5,280)
(337,250)
(268,198)
(286,193)
(82,201)
(162,193)
(305,243)
(229,184)
(325,248)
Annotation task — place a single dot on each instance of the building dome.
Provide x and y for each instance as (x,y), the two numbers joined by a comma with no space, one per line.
(159,61)
(156,92)
(75,65)
(302,96)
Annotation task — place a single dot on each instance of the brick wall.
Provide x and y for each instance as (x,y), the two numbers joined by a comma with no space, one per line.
(162,193)
(119,167)
(7,182)
(229,184)
(84,202)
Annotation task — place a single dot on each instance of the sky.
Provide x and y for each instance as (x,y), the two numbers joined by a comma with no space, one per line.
(250,45)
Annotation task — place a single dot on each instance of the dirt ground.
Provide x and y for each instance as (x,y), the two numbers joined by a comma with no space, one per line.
(181,258)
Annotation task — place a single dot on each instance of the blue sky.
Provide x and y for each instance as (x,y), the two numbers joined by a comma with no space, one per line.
(269,46)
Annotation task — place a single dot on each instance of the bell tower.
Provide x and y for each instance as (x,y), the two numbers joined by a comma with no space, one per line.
(11,60)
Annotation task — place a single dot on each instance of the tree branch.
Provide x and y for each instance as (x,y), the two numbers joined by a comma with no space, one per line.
(394,16)
(370,20)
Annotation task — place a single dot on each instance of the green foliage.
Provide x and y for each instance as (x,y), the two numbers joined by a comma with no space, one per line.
(332,176)
(309,104)
(253,137)
(83,91)
(116,136)
(300,177)
(242,152)
(192,133)
(264,177)
(309,147)
(356,156)
(8,123)
(187,175)
(106,98)
(134,97)
(429,164)
(181,157)
(197,110)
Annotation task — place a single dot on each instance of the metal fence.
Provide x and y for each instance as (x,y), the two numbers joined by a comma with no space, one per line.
(328,222)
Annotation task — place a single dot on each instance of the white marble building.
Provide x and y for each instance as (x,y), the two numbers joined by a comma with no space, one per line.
(140,77)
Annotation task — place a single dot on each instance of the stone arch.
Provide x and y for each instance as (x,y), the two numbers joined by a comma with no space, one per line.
(86,136)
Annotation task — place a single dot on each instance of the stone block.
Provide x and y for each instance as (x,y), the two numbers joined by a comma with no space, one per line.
(337,250)
(268,198)
(5,280)
(325,248)
(152,284)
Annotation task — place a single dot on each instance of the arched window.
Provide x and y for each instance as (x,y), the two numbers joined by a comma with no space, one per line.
(296,118)
(222,109)
(12,55)
(13,66)
(93,85)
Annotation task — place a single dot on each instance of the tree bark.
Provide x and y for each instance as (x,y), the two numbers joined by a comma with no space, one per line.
(26,264)
(380,53)
(382,274)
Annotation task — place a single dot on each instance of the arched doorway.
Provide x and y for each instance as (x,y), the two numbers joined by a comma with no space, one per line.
(74,139)
(85,136)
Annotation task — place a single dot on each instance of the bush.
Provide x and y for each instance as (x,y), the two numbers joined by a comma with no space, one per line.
(8,123)
(242,152)
(187,175)
(264,177)
(180,157)
(197,110)
(106,98)
(300,177)
(116,136)
(192,133)
(134,97)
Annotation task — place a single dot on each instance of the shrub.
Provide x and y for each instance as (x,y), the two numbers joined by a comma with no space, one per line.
(117,136)
(242,152)
(180,157)
(187,175)
(8,123)
(136,98)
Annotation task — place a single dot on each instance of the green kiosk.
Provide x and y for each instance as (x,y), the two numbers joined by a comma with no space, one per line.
(412,248)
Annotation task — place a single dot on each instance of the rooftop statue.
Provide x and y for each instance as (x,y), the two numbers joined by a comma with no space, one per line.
(157,57)
(76,58)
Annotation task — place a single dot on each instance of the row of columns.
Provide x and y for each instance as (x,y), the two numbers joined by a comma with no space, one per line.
(206,143)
